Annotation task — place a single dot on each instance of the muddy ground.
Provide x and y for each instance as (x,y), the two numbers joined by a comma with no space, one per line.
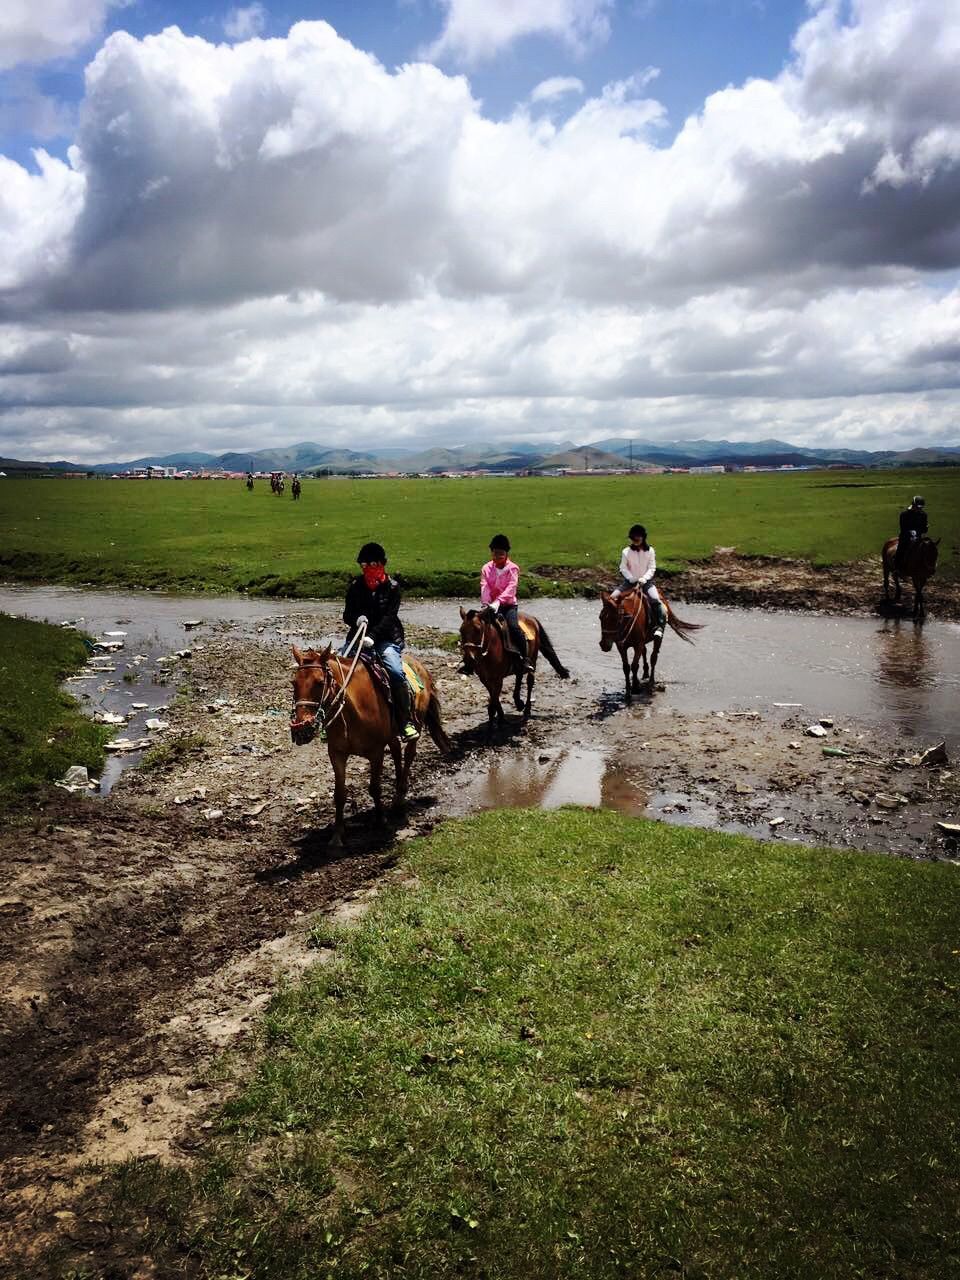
(143,932)
(770,582)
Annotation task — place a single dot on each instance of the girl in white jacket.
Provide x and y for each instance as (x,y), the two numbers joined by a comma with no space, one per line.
(638,564)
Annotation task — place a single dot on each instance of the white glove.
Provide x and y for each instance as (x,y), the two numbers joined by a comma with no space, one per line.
(367,642)
(362,621)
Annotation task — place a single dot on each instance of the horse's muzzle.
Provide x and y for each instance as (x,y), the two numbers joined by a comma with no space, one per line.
(606,645)
(303,731)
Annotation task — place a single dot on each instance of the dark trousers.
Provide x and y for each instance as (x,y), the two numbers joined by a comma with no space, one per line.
(509,614)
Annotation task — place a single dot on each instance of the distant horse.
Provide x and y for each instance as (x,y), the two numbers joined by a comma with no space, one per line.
(250,483)
(484,651)
(920,565)
(341,697)
(628,623)
(295,488)
(274,479)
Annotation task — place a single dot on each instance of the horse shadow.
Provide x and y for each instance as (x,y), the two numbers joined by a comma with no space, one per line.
(364,838)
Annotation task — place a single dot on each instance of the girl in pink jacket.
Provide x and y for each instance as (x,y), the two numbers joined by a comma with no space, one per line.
(498,590)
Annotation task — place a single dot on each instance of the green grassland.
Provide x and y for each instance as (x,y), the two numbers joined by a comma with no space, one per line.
(42,730)
(588,1045)
(214,536)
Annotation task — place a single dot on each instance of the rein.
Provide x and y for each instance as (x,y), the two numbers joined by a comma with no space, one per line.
(339,699)
(615,631)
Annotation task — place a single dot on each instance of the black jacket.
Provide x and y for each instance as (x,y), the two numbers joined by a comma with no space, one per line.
(913,520)
(380,607)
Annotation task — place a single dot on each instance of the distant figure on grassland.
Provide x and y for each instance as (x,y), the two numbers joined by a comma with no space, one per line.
(295,488)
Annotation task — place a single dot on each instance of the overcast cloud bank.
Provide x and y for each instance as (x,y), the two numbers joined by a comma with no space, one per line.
(278,239)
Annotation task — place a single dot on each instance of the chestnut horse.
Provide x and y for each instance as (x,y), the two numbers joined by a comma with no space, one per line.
(628,623)
(921,564)
(484,652)
(342,698)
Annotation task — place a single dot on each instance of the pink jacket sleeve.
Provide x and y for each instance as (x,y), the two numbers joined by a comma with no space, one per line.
(492,590)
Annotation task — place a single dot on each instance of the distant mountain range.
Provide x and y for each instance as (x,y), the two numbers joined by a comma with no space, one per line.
(509,457)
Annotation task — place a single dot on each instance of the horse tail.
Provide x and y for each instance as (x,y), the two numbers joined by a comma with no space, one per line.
(548,651)
(434,722)
(682,628)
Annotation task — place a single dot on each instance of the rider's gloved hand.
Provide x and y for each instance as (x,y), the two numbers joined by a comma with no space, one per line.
(362,620)
(367,642)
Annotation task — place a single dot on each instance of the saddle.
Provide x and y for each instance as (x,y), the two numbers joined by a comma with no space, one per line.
(506,639)
(381,682)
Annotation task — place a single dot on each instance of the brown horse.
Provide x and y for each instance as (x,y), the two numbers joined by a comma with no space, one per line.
(358,722)
(484,652)
(628,623)
(921,564)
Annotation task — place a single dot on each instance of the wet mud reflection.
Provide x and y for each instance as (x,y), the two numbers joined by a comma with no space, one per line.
(564,775)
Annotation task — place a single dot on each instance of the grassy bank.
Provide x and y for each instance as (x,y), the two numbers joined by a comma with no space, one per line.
(214,536)
(589,1045)
(42,730)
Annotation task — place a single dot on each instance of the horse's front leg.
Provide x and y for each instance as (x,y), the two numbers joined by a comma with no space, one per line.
(495,714)
(339,763)
(886,580)
(897,586)
(918,605)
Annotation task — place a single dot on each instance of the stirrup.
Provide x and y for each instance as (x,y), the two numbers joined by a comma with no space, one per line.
(410,731)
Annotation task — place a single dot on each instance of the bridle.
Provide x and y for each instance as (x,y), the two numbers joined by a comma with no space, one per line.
(480,646)
(619,640)
(338,701)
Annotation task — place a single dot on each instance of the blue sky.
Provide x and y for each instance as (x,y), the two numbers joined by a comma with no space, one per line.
(698,46)
(434,221)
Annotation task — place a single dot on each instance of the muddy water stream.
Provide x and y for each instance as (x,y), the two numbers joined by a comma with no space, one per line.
(880,673)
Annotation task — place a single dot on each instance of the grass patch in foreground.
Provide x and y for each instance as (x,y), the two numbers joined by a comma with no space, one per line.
(590,1045)
(42,730)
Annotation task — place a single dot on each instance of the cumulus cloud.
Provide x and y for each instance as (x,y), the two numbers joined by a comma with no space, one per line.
(556,87)
(41,30)
(245,23)
(284,238)
(475,30)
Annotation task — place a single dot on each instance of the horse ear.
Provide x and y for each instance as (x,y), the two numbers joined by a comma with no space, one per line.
(462,614)
(937,542)
(326,653)
(297,654)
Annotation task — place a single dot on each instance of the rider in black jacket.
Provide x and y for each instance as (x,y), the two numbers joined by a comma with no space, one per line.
(374,598)
(913,526)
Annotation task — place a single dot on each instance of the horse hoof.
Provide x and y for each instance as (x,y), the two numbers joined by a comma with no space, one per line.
(336,841)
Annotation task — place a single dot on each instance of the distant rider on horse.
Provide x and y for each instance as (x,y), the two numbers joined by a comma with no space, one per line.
(374,598)
(638,564)
(913,527)
(498,592)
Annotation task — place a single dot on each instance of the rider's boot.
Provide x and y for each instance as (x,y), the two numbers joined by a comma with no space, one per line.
(401,697)
(661,620)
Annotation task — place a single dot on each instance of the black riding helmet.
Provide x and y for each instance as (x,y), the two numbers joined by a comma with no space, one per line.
(499,542)
(918,501)
(371,553)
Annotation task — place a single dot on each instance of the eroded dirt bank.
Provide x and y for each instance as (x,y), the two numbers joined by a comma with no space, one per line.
(143,932)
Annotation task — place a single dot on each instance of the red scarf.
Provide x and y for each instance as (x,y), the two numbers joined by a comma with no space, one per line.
(373,575)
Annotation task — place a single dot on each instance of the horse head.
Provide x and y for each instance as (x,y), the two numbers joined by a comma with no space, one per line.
(309,679)
(927,554)
(609,621)
(473,632)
